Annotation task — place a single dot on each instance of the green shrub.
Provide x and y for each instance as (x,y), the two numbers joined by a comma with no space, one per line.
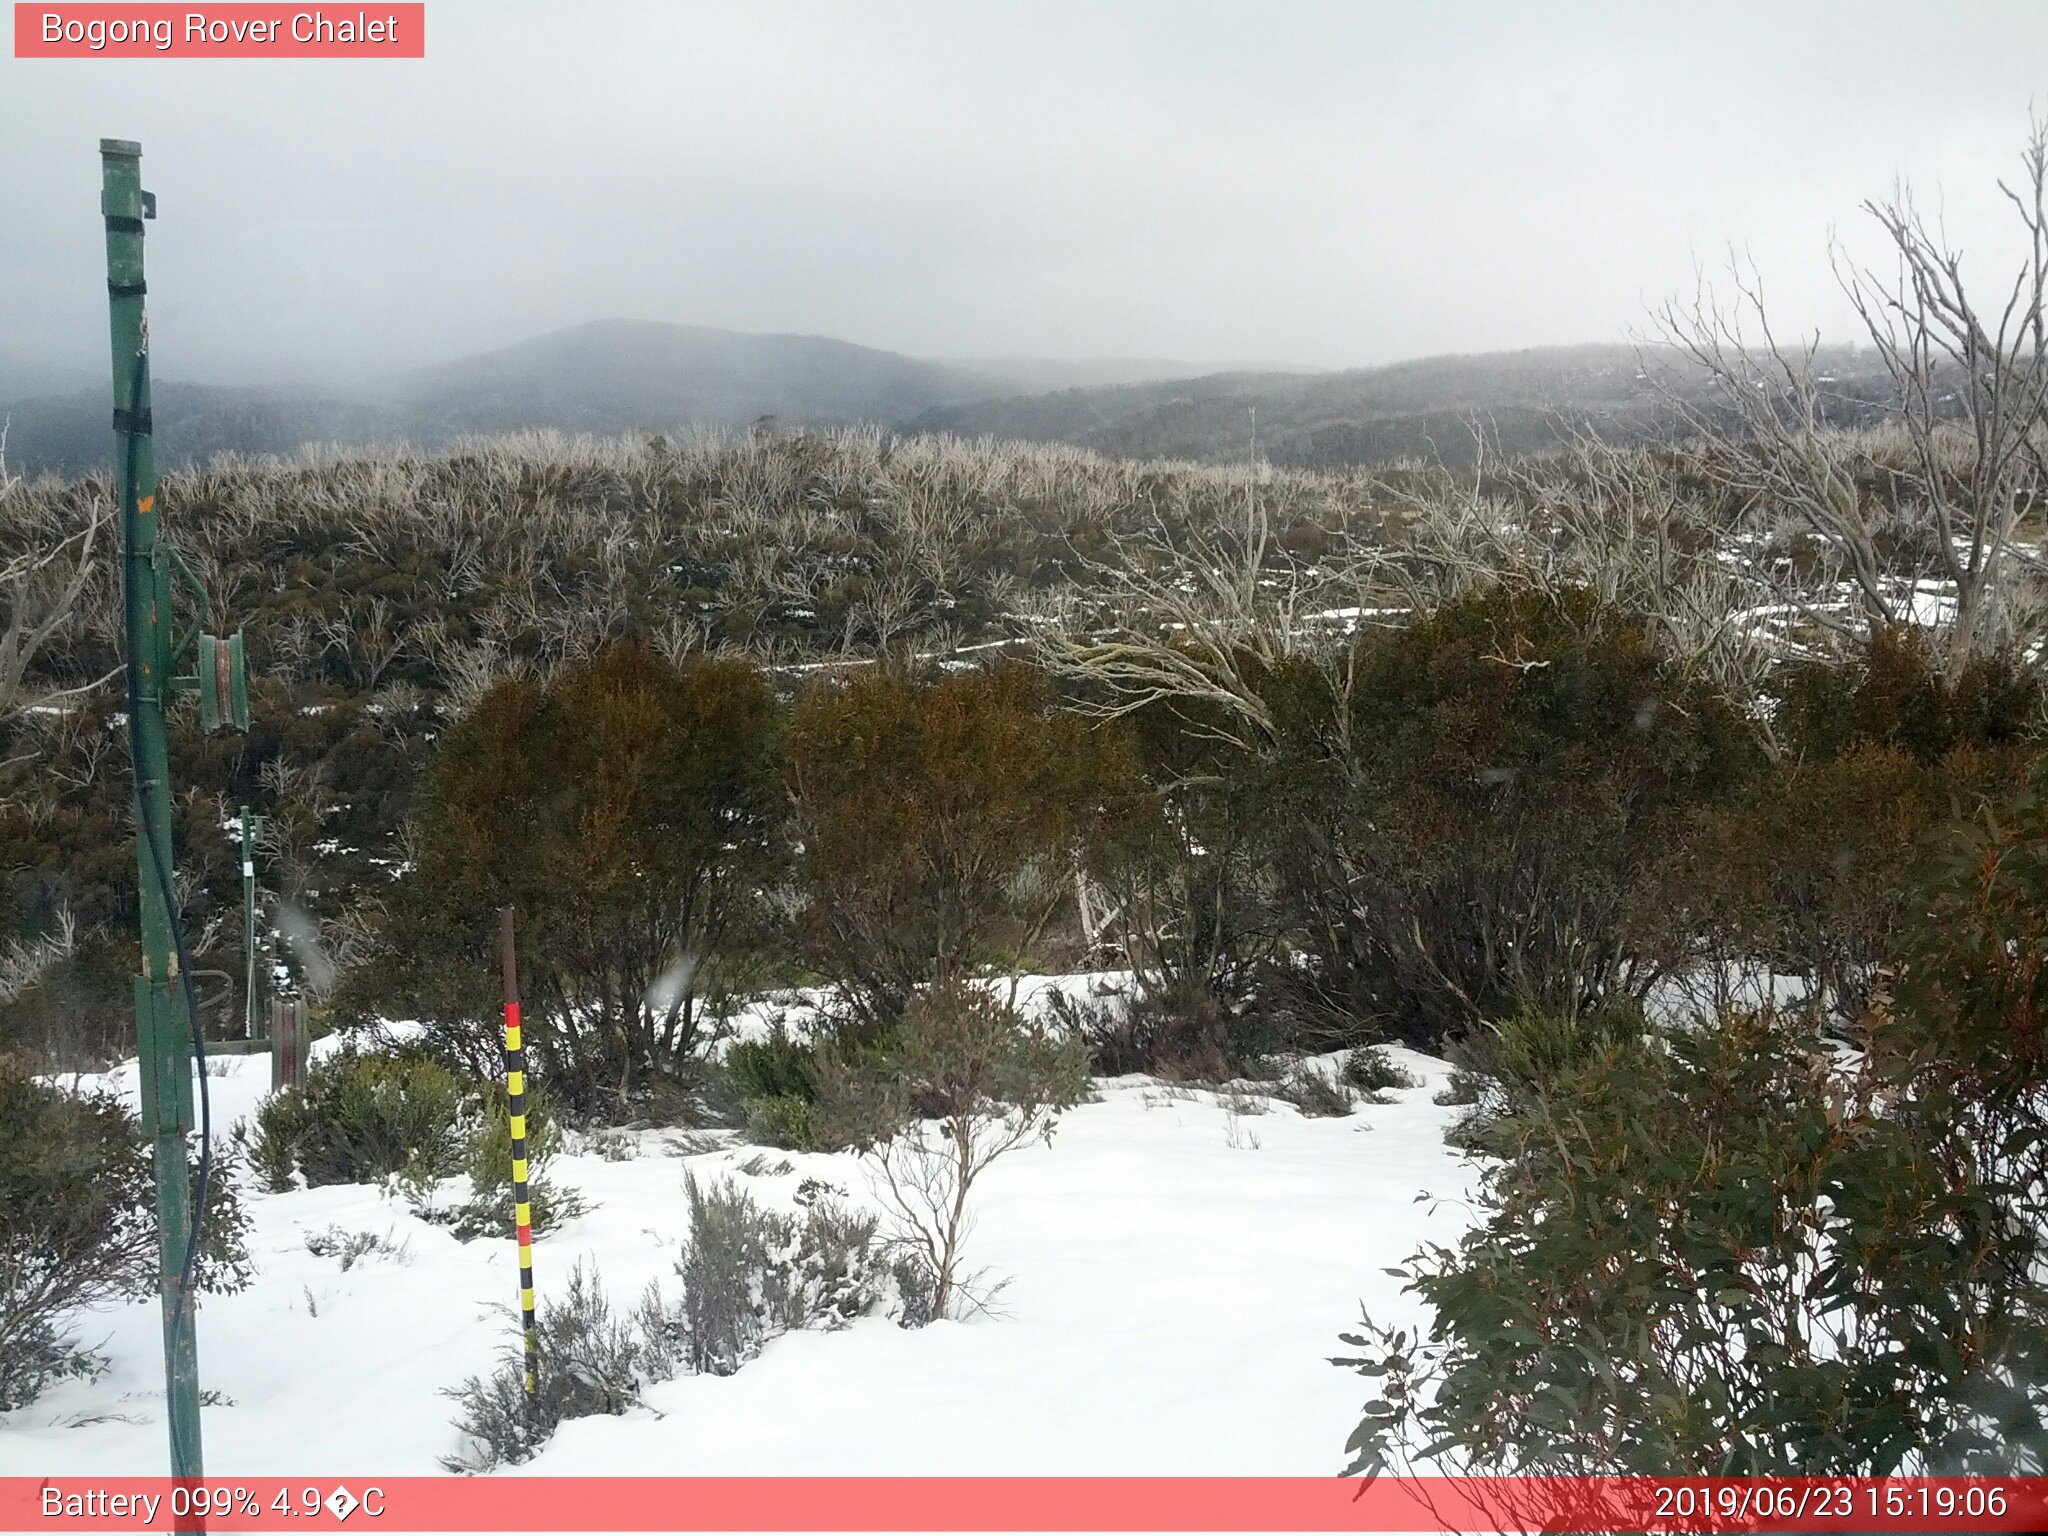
(487,1160)
(777,1065)
(1316,1095)
(591,1362)
(1372,1072)
(782,1120)
(1502,1068)
(750,1274)
(774,1079)
(362,1117)
(937,818)
(359,1117)
(1731,1253)
(78,1191)
(1535,1048)
(777,1078)
(1477,815)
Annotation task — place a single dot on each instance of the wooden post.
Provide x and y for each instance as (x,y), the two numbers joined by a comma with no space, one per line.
(290,1049)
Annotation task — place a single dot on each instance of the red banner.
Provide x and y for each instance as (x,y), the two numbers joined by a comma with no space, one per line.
(248,31)
(514,1503)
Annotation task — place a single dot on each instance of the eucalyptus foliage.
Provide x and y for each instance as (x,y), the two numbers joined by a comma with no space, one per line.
(1726,1250)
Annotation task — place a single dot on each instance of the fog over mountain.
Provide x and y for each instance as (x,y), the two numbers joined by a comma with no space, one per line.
(1321,184)
(1031,219)
(636,376)
(605,376)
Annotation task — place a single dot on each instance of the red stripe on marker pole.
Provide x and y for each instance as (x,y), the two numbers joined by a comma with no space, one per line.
(378,30)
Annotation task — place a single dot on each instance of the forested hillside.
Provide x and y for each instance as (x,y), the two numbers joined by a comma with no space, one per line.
(619,376)
(1431,409)
(605,377)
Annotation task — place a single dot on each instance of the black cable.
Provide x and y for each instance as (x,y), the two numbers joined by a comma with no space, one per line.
(188,1270)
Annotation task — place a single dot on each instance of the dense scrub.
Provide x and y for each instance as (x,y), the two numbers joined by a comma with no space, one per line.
(405,1119)
(1520,804)
(1720,1247)
(382,596)
(628,809)
(1480,823)
(1526,804)
(361,1117)
(940,822)
(702,716)
(1554,770)
(1810,866)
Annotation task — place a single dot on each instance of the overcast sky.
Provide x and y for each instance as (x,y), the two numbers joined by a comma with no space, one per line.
(1310,184)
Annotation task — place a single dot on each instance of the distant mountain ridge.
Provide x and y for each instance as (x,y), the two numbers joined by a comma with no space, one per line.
(1425,408)
(1041,375)
(605,376)
(613,376)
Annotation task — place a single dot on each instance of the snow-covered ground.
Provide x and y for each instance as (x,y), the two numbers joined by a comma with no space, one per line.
(1179,1271)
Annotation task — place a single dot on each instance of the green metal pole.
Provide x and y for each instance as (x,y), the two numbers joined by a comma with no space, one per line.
(163,1033)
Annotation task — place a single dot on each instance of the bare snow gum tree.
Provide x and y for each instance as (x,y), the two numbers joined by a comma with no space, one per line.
(1948,486)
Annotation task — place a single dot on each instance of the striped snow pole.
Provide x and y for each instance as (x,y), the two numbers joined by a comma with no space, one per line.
(515,1097)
